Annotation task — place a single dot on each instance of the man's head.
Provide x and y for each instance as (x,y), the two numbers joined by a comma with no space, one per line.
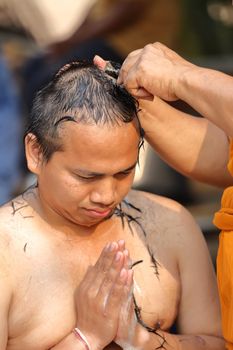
(82,93)
(82,143)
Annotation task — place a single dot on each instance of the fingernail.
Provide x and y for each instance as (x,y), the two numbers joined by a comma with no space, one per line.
(126,253)
(118,256)
(112,246)
(123,275)
(121,242)
(106,248)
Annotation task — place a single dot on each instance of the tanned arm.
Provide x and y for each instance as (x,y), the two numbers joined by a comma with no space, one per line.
(193,146)
(159,71)
(196,147)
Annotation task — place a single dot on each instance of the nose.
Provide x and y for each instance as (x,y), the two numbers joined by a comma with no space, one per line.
(105,192)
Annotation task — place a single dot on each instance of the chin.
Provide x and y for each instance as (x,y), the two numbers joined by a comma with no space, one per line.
(95,221)
(87,223)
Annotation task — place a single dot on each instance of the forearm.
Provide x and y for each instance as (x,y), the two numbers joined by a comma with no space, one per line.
(167,341)
(191,145)
(210,93)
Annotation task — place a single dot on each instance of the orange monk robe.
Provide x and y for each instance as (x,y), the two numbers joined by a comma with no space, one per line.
(224,221)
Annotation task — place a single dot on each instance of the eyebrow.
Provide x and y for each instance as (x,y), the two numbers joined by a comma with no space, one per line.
(93,173)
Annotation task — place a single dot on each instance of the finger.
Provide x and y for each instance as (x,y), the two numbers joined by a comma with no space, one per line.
(110,278)
(121,244)
(127,260)
(97,284)
(106,257)
(141,93)
(113,301)
(95,274)
(127,65)
(108,253)
(104,263)
(127,306)
(127,300)
(121,292)
(99,62)
(127,310)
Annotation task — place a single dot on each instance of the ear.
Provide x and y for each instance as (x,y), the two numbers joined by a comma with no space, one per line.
(33,153)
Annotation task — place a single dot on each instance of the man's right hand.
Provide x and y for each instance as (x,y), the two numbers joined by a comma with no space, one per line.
(100,295)
(153,70)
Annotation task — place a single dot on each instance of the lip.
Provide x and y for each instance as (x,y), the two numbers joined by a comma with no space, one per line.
(98,213)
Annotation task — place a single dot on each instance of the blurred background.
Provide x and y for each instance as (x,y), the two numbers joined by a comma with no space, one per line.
(37,37)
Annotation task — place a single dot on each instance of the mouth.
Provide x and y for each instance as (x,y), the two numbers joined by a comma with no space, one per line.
(97,213)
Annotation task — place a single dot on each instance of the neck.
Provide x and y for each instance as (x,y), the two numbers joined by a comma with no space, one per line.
(61,225)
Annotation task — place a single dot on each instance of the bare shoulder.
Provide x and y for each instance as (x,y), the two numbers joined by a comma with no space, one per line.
(12,223)
(162,214)
(170,230)
(168,225)
(15,228)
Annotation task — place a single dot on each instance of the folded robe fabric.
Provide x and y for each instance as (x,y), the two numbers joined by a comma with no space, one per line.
(223,219)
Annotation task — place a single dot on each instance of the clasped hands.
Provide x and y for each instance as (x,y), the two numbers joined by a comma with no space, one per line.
(104,302)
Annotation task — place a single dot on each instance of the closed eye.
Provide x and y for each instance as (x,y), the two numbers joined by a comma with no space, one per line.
(96,176)
(87,178)
(124,173)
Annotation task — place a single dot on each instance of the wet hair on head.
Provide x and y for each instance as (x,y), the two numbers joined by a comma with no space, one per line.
(82,93)
(112,69)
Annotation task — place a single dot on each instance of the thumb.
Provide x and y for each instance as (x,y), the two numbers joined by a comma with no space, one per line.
(141,93)
(99,62)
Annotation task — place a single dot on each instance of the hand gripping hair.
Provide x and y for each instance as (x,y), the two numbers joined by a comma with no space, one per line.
(80,92)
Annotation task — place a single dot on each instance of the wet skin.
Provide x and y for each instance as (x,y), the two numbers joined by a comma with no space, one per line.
(50,235)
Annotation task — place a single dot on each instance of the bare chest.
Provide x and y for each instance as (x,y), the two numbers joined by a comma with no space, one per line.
(43,307)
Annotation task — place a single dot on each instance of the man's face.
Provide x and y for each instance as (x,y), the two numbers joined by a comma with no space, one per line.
(93,173)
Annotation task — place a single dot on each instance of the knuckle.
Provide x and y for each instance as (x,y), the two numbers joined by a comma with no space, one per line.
(104,263)
(141,67)
(107,281)
(123,70)
(157,44)
(91,293)
(132,53)
(118,288)
(148,47)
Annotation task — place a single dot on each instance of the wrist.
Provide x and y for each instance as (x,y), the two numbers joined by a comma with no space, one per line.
(187,81)
(87,342)
(141,338)
(69,342)
(81,337)
(183,80)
